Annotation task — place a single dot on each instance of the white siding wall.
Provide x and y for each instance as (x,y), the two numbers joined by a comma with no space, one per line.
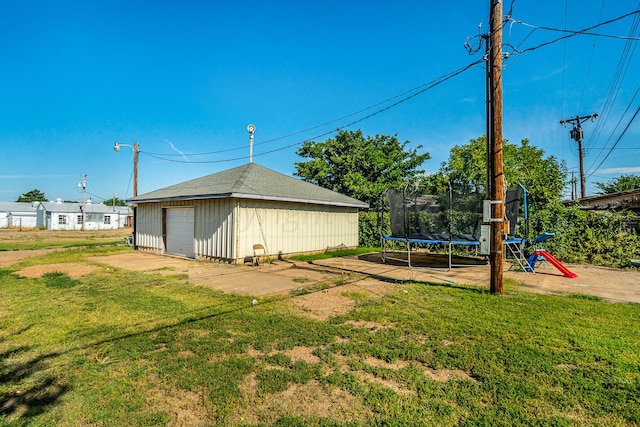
(215,228)
(18,219)
(292,227)
(228,228)
(149,226)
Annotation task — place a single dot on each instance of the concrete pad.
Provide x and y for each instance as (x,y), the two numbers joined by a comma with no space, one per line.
(266,279)
(608,283)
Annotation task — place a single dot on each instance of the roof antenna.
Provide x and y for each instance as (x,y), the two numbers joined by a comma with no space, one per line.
(251,128)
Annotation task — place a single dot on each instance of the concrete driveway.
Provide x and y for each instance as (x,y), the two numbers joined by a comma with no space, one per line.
(608,283)
(266,279)
(282,276)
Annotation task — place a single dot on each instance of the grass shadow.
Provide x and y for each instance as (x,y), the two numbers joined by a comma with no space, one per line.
(28,390)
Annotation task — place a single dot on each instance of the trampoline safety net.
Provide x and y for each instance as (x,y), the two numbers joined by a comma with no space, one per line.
(445,217)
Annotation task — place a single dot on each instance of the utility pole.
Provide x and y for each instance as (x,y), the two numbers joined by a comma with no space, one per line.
(494,144)
(83,184)
(135,168)
(136,151)
(576,135)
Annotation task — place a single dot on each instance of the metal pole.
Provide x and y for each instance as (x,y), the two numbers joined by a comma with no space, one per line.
(251,128)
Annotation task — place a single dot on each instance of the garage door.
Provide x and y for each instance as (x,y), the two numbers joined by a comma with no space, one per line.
(180,229)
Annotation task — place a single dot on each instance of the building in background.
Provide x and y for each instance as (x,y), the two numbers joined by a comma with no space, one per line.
(223,215)
(68,216)
(18,214)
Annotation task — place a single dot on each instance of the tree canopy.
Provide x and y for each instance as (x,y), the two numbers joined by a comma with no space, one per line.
(34,195)
(358,166)
(466,168)
(621,183)
(118,202)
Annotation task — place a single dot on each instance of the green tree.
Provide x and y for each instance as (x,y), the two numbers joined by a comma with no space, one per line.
(358,166)
(34,195)
(118,202)
(621,183)
(544,177)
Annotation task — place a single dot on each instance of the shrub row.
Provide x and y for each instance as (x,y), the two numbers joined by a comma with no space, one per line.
(588,237)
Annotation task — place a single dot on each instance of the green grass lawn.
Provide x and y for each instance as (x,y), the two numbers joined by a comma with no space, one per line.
(13,240)
(125,348)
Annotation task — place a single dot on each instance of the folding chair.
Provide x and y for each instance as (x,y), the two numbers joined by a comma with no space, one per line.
(258,251)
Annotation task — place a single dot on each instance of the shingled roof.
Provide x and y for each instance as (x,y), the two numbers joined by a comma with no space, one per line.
(250,181)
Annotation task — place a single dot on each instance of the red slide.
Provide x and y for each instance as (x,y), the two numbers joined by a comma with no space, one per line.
(557,264)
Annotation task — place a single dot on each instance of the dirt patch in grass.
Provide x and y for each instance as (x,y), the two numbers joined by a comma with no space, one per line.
(392,385)
(440,375)
(73,270)
(446,375)
(184,408)
(331,302)
(395,366)
(296,354)
(364,324)
(304,354)
(302,400)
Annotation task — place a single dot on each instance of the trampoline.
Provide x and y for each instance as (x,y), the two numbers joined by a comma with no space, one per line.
(423,220)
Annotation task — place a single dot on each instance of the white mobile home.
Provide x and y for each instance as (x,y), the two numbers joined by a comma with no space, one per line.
(223,215)
(68,216)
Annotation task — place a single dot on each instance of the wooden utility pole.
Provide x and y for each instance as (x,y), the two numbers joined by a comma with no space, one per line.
(136,150)
(576,135)
(496,173)
(83,184)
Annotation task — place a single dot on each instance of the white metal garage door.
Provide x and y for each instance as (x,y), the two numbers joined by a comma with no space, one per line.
(180,231)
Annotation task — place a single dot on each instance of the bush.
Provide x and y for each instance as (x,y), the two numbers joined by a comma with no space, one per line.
(585,237)
(593,237)
(369,228)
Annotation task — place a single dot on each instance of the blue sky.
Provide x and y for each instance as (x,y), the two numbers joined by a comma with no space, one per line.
(187,77)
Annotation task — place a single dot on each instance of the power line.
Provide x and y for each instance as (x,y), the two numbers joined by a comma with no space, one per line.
(616,82)
(617,124)
(618,140)
(593,50)
(423,88)
(416,89)
(584,31)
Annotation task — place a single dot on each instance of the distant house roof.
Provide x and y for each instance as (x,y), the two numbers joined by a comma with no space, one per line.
(96,208)
(250,181)
(629,199)
(17,207)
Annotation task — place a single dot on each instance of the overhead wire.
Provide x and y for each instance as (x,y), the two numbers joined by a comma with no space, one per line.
(622,67)
(572,33)
(564,53)
(593,50)
(614,87)
(413,93)
(416,89)
(612,133)
(618,140)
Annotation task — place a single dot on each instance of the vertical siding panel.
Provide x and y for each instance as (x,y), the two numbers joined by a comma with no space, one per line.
(286,227)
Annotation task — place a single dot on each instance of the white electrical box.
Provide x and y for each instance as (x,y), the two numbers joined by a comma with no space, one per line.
(485,239)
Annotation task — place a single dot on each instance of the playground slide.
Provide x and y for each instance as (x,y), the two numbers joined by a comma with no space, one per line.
(557,264)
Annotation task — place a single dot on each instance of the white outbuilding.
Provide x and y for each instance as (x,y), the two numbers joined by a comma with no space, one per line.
(223,215)
(68,216)
(18,214)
